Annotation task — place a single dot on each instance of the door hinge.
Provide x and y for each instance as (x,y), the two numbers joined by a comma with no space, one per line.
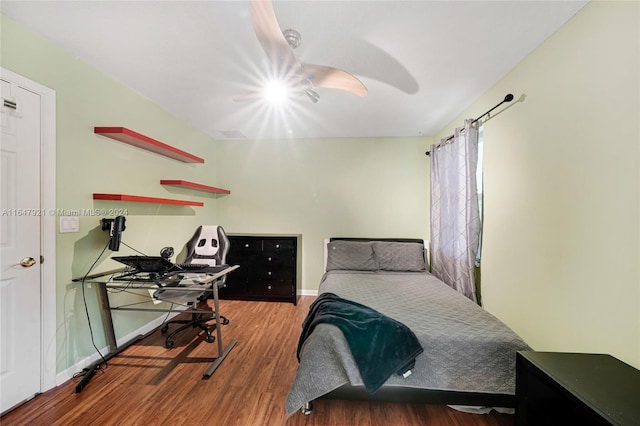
(41,259)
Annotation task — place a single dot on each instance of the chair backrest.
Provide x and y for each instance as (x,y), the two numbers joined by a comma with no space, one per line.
(208,245)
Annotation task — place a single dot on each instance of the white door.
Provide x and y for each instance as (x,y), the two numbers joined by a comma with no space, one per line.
(20,230)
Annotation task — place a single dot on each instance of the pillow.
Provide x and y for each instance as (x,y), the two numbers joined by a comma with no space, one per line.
(351,255)
(396,256)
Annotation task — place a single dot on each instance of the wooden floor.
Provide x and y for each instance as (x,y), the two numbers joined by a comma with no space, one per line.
(150,385)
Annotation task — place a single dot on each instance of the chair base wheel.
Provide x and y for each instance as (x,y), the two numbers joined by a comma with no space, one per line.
(196,321)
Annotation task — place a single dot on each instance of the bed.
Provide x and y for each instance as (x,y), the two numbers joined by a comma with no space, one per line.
(468,357)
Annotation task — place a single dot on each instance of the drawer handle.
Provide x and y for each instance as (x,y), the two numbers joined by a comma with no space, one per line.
(269,259)
(269,272)
(246,245)
(269,287)
(277,245)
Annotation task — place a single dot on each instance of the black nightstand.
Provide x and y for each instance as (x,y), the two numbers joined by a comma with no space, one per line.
(555,388)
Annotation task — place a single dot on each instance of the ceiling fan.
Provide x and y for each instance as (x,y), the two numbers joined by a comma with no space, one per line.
(279,45)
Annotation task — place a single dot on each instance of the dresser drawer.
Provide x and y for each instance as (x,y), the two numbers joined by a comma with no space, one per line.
(279,260)
(277,274)
(232,289)
(245,246)
(272,289)
(272,246)
(249,263)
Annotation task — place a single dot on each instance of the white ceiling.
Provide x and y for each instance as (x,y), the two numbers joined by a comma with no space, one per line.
(424,62)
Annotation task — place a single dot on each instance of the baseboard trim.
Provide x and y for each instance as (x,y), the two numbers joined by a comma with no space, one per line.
(308,293)
(68,374)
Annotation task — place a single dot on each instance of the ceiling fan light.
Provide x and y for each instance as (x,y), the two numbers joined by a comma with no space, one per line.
(275,92)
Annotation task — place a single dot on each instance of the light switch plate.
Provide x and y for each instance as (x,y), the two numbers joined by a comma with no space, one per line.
(69,224)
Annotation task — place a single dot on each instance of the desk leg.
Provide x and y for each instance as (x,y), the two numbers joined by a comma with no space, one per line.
(222,352)
(107,320)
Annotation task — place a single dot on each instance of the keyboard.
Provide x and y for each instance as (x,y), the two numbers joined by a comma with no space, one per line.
(191,266)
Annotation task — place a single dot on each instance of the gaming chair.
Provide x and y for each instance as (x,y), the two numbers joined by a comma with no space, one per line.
(209,245)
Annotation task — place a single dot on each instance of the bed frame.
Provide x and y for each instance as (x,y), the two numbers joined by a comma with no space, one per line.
(409,394)
(422,396)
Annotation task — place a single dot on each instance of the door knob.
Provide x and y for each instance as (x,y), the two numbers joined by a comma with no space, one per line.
(26,262)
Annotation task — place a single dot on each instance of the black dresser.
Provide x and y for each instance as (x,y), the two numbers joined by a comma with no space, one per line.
(554,388)
(268,268)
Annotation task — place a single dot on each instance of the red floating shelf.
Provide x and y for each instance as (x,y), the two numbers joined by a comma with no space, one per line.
(125,135)
(193,185)
(139,199)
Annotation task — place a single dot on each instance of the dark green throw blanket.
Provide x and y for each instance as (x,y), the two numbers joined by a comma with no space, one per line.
(381,346)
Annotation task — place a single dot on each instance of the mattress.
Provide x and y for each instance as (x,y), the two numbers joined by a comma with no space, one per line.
(466,349)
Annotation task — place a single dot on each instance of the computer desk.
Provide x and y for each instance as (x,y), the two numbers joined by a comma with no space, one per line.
(189,282)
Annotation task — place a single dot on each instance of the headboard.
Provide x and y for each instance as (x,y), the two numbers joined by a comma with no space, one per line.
(364,256)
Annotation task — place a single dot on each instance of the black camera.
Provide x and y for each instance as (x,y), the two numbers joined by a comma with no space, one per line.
(116,227)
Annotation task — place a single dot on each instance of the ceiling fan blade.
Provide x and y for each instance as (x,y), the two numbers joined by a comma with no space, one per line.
(247,97)
(267,29)
(333,78)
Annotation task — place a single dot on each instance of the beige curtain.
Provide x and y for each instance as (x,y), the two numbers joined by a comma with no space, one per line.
(455,215)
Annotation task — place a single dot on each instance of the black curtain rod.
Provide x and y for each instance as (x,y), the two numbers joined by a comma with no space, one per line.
(507,98)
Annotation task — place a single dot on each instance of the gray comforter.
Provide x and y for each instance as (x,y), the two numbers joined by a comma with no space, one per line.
(465,348)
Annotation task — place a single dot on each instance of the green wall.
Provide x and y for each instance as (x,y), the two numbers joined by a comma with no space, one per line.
(88,163)
(321,188)
(562,188)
